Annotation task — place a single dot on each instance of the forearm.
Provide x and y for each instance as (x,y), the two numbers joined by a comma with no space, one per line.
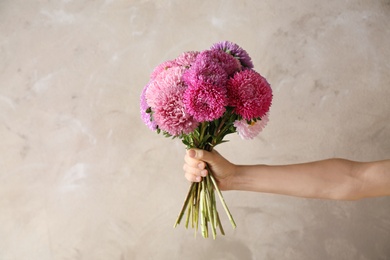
(329,179)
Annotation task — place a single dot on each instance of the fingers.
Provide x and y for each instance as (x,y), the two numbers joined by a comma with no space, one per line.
(194,169)
(195,163)
(194,174)
(200,154)
(192,177)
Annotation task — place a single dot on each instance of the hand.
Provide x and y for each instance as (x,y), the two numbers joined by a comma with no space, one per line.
(195,167)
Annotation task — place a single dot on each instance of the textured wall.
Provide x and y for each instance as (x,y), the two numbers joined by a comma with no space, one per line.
(81,177)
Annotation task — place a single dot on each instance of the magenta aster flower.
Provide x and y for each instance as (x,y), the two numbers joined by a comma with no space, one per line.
(250,94)
(205,102)
(225,60)
(249,131)
(236,51)
(186,59)
(203,71)
(143,107)
(165,96)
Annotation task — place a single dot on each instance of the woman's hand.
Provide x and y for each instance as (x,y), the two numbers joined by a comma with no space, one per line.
(195,167)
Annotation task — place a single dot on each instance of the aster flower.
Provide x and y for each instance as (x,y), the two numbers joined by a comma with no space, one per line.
(225,60)
(146,117)
(186,59)
(250,94)
(166,80)
(205,102)
(203,71)
(236,51)
(165,96)
(163,66)
(250,130)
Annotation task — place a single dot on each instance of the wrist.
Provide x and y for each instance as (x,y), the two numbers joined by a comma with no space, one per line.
(235,178)
(246,178)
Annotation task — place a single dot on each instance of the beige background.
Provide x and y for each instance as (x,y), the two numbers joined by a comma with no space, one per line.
(81,177)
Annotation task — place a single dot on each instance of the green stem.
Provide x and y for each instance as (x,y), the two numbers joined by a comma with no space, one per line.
(220,126)
(198,188)
(223,201)
(220,225)
(187,199)
(210,206)
(203,129)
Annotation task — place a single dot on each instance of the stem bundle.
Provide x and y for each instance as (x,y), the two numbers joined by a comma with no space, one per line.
(201,207)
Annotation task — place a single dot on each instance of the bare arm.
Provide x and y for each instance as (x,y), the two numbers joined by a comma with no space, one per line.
(337,179)
(328,179)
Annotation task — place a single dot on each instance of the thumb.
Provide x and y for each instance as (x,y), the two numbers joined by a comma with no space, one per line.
(200,154)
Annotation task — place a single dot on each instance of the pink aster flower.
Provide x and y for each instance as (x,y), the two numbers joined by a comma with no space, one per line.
(165,96)
(205,102)
(186,59)
(162,83)
(250,94)
(249,131)
(163,66)
(236,51)
(146,118)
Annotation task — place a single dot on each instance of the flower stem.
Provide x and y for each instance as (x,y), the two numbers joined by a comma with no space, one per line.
(223,201)
(187,199)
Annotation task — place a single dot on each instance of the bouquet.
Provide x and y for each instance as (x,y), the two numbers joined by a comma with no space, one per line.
(200,97)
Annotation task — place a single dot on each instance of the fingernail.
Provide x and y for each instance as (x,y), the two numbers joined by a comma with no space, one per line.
(198,178)
(191,153)
(203,173)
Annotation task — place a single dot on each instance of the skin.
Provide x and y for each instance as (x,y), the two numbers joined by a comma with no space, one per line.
(336,179)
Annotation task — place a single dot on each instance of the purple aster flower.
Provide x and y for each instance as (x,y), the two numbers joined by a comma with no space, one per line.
(236,51)
(146,118)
